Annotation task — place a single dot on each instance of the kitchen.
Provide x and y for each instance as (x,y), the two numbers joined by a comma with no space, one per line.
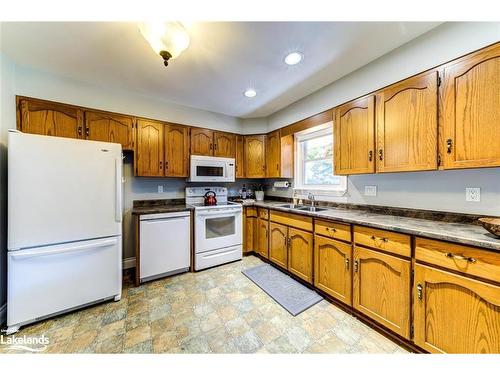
(346,217)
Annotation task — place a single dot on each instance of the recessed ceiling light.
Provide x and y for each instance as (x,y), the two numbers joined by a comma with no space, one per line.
(250,93)
(293,58)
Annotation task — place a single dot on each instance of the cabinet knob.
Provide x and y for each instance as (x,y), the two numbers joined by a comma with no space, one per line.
(87,132)
(381,154)
(370,155)
(79,130)
(356,266)
(449,145)
(419,291)
(346,263)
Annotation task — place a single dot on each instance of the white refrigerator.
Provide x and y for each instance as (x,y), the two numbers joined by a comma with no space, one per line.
(64,225)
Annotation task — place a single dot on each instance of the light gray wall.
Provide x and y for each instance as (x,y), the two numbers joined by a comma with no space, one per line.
(439,190)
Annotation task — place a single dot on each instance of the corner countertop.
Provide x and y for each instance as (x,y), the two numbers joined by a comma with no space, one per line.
(467,234)
(161,208)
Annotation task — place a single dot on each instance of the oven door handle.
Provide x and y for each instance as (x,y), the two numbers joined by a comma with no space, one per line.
(222,213)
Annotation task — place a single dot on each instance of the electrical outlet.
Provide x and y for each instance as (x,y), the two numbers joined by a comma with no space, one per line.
(371,190)
(160,188)
(473,194)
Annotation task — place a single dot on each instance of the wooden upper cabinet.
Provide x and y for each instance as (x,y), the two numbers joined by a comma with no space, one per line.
(106,127)
(300,254)
(455,314)
(49,118)
(381,289)
(149,151)
(255,156)
(279,155)
(354,137)
(240,156)
(332,268)
(471,110)
(224,145)
(406,121)
(202,142)
(278,244)
(176,150)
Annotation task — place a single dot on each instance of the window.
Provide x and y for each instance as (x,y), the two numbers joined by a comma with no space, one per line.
(314,161)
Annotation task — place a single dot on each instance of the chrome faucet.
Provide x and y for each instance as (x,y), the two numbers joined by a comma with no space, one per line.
(310,196)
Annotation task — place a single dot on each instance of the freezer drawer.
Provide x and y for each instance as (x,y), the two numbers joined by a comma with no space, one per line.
(164,245)
(47,280)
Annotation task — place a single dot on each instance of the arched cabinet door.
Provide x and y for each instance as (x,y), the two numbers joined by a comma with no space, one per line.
(471,110)
(263,237)
(149,150)
(255,156)
(455,314)
(106,127)
(224,145)
(332,268)
(300,254)
(202,142)
(176,150)
(49,118)
(381,289)
(278,244)
(406,120)
(354,137)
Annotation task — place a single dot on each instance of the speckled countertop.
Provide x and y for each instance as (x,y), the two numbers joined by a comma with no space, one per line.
(467,234)
(159,207)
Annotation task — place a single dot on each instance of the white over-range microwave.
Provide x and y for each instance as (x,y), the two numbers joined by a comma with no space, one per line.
(211,169)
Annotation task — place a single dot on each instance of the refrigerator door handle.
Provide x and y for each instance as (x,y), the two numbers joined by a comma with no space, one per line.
(37,253)
(118,192)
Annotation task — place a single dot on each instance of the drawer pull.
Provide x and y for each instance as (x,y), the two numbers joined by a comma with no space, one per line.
(419,291)
(356,265)
(383,239)
(347,263)
(331,229)
(461,257)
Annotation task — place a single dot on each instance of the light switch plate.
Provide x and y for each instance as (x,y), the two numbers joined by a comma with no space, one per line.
(160,188)
(371,190)
(473,194)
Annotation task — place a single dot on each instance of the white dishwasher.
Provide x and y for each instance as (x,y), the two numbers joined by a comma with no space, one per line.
(164,244)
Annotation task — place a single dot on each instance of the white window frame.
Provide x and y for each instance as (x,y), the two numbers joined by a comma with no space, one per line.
(299,187)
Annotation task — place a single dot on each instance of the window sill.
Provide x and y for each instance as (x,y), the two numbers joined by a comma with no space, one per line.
(319,192)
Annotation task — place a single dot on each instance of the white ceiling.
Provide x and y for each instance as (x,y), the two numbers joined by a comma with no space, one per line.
(223,59)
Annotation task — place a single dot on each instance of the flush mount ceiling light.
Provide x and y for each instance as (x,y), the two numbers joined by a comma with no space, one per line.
(293,58)
(168,39)
(250,93)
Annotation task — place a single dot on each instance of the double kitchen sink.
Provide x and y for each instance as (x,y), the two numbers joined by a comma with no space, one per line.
(304,208)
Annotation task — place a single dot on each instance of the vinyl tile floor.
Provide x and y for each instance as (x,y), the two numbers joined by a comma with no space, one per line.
(213,311)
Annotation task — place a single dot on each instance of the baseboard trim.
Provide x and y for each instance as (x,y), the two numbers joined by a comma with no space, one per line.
(3,314)
(129,263)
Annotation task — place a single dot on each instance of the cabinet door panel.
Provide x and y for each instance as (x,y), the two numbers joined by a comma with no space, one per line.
(354,139)
(278,244)
(113,128)
(48,118)
(300,254)
(240,156)
(255,156)
(273,154)
(407,125)
(176,150)
(455,314)
(381,289)
(149,151)
(332,268)
(249,234)
(202,142)
(263,238)
(471,110)
(224,145)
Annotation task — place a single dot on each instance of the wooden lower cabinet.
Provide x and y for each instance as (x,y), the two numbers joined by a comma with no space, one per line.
(263,237)
(381,289)
(455,314)
(332,268)
(278,244)
(300,254)
(250,234)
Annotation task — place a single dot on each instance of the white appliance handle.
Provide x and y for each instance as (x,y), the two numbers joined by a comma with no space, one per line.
(62,250)
(222,213)
(118,193)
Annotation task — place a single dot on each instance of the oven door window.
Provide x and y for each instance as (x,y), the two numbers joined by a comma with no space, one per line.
(220,227)
(209,171)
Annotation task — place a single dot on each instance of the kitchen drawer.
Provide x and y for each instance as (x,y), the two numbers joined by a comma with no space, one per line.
(264,213)
(465,259)
(334,230)
(292,220)
(251,211)
(392,242)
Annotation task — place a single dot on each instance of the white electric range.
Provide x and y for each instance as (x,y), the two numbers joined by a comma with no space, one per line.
(217,229)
